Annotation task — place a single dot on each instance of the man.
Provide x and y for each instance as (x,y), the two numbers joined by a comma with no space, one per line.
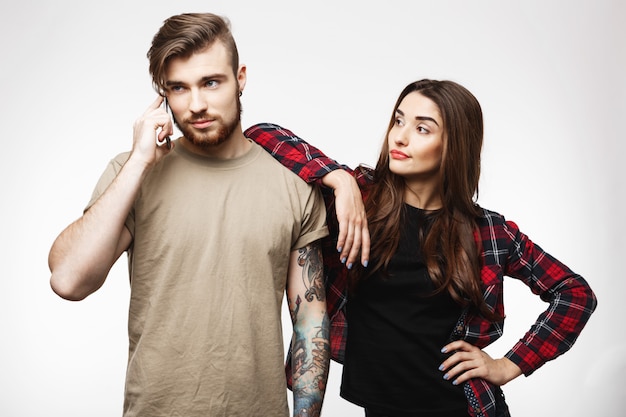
(210,256)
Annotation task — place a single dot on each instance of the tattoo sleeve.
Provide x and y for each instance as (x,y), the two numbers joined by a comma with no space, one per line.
(310,344)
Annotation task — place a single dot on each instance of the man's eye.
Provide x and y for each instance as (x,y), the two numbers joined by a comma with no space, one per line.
(211,84)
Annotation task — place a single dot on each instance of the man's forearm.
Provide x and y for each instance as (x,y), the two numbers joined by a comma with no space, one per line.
(310,346)
(310,364)
(82,255)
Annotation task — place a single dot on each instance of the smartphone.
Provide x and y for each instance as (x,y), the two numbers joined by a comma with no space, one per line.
(167,141)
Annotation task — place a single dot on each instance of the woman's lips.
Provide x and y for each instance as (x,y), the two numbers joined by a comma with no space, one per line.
(398,155)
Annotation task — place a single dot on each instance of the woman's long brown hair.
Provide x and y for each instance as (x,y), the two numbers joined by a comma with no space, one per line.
(449,247)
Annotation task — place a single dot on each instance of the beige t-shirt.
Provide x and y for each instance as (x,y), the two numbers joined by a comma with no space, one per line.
(208,268)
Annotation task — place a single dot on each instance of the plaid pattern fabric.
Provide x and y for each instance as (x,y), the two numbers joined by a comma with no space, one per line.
(505,251)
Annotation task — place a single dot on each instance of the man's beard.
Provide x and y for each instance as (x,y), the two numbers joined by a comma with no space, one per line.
(209,140)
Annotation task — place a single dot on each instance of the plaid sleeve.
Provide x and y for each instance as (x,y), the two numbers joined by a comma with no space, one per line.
(571,301)
(308,162)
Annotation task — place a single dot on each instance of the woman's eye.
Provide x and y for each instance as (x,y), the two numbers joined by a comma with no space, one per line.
(422,129)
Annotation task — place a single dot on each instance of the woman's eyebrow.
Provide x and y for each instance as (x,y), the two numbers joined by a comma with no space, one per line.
(422,118)
(426,118)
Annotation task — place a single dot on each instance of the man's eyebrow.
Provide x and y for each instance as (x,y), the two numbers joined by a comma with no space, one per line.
(171,82)
(202,80)
(212,77)
(424,118)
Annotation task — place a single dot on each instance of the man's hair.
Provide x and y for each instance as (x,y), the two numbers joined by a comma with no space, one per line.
(183,35)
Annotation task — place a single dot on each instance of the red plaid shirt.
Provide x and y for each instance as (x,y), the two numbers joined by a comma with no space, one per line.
(505,251)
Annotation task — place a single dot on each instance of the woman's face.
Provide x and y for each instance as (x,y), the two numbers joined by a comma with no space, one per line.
(416,142)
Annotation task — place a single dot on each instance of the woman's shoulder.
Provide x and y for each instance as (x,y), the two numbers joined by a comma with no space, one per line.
(488,217)
(493,222)
(364,171)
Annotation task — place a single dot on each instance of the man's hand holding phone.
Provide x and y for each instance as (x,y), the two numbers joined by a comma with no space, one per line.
(168,141)
(151,133)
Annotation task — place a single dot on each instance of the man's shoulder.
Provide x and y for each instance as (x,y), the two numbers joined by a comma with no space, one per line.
(274,168)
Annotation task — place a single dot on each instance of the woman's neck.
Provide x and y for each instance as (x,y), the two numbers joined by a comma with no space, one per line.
(423,196)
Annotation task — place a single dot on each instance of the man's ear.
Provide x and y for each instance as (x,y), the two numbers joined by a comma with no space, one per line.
(241,77)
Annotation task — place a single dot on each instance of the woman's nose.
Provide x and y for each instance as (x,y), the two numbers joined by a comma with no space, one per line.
(400,137)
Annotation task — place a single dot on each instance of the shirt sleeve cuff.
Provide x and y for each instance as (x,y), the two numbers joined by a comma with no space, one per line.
(524,357)
(315,169)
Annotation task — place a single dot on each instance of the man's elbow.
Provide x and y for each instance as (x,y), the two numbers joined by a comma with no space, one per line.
(67,288)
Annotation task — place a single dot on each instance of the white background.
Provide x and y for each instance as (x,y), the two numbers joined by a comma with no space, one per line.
(549,75)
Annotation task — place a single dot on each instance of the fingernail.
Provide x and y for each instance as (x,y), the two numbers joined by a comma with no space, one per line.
(343,260)
(441,367)
(446,376)
(444,350)
(365,263)
(455,382)
(350,265)
(339,249)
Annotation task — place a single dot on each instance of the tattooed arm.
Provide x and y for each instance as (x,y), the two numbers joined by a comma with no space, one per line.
(310,344)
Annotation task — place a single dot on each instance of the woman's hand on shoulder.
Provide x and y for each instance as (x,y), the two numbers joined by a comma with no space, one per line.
(354,237)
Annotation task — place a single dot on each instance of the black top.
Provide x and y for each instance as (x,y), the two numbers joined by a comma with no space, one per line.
(396,329)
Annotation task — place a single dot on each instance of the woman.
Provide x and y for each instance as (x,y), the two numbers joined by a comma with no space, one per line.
(431,298)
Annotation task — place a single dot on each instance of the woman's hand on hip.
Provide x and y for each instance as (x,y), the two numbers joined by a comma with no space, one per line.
(467,361)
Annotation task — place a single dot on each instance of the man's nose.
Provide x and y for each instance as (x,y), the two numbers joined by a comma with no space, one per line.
(197,102)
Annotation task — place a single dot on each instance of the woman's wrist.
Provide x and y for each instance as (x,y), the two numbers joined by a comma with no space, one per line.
(337,178)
